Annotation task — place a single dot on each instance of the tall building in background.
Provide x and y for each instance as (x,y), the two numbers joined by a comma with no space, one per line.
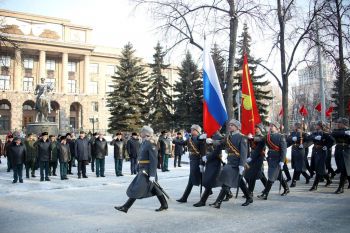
(61,52)
(308,92)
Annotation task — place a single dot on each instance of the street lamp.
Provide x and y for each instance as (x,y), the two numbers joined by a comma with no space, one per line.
(93,119)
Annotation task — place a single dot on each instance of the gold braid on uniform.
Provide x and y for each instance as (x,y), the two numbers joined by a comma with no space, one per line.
(232,147)
(193,146)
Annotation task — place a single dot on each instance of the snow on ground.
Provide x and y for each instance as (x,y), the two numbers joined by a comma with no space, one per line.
(86,205)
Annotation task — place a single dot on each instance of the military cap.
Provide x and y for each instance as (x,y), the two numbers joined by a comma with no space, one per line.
(197,128)
(44,133)
(236,123)
(276,124)
(82,132)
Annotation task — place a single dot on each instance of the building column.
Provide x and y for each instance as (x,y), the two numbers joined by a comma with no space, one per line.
(86,77)
(42,64)
(17,77)
(64,78)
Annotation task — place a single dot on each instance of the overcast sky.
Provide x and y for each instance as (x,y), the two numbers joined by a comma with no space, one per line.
(115,23)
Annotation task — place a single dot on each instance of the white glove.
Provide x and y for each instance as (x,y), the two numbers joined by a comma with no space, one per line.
(241,170)
(250,136)
(281,165)
(318,137)
(209,141)
(201,168)
(203,136)
(224,156)
(249,160)
(152,179)
(347,132)
(204,158)
(294,139)
(301,146)
(324,148)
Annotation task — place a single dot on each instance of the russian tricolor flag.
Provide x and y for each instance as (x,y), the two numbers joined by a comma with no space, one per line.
(214,110)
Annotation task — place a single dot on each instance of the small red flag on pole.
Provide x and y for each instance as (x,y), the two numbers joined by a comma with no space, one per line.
(329,111)
(303,111)
(318,107)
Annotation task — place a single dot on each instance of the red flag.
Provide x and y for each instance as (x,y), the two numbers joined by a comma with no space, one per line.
(281,112)
(250,114)
(303,111)
(329,111)
(318,107)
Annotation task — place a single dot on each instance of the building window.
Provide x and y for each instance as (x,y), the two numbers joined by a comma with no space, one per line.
(93,87)
(110,70)
(28,63)
(72,122)
(93,68)
(4,123)
(4,82)
(5,61)
(94,106)
(4,107)
(27,107)
(51,82)
(28,84)
(109,87)
(72,66)
(50,65)
(71,86)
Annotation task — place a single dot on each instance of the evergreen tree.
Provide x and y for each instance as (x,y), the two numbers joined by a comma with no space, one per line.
(262,96)
(159,101)
(188,95)
(335,94)
(126,102)
(219,63)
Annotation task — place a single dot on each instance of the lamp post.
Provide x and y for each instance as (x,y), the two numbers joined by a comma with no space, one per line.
(93,119)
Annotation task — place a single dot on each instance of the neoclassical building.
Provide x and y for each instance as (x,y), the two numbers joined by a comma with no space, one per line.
(54,48)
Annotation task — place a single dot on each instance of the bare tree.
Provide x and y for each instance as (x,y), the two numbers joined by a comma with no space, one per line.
(291,33)
(189,22)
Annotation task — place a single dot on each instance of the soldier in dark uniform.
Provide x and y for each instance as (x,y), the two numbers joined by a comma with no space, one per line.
(322,141)
(329,168)
(256,159)
(179,149)
(298,139)
(143,184)
(93,153)
(277,145)
(71,143)
(196,148)
(119,149)
(212,168)
(132,147)
(44,155)
(31,155)
(342,151)
(236,146)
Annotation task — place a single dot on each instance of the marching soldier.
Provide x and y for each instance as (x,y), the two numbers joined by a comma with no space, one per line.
(277,145)
(256,159)
(322,141)
(144,184)
(342,151)
(298,140)
(212,169)
(237,147)
(196,148)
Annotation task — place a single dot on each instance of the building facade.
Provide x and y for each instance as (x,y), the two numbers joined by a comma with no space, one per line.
(53,48)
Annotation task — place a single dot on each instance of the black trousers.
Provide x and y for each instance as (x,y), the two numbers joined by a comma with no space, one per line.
(81,168)
(177,160)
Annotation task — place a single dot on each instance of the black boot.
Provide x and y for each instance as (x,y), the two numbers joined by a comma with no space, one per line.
(293,184)
(203,199)
(163,203)
(285,187)
(328,180)
(219,199)
(187,192)
(286,171)
(124,208)
(315,184)
(266,191)
(307,177)
(247,194)
(228,196)
(341,185)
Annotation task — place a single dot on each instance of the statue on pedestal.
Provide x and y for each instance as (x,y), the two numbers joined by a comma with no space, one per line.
(42,104)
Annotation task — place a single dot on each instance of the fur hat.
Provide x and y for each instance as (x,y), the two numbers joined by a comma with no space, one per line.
(276,124)
(236,123)
(147,130)
(197,128)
